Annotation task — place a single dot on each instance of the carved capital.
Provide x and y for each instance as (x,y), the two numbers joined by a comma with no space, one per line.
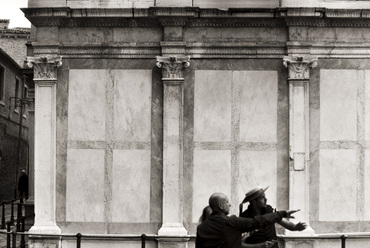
(299,67)
(172,67)
(45,68)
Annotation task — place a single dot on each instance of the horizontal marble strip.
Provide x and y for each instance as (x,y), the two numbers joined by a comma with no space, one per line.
(258,146)
(251,146)
(114,145)
(344,145)
(108,228)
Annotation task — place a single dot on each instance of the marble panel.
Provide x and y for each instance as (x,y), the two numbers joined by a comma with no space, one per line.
(212,173)
(85,185)
(338,104)
(110,3)
(137,34)
(258,105)
(212,103)
(86,104)
(220,4)
(367,186)
(131,186)
(66,243)
(83,34)
(46,3)
(367,105)
(233,34)
(337,191)
(132,105)
(335,4)
(258,168)
(173,3)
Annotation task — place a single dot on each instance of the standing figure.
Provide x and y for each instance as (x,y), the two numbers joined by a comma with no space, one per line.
(221,231)
(23,185)
(258,206)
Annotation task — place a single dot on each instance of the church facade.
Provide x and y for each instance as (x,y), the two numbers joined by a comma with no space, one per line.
(145,108)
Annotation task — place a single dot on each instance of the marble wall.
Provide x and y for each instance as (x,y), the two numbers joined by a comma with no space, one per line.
(339,141)
(108,147)
(235,135)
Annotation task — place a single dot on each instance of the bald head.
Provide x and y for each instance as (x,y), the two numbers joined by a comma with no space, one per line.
(219,203)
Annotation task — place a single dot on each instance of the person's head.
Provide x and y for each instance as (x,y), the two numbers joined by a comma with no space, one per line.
(206,212)
(219,203)
(256,197)
(24,172)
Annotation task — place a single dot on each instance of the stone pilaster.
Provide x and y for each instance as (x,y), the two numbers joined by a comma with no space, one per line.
(172,77)
(45,78)
(298,79)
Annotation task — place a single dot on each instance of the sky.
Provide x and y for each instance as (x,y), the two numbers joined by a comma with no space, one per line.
(10,9)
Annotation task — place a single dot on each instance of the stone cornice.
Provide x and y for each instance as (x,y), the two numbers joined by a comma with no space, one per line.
(157,16)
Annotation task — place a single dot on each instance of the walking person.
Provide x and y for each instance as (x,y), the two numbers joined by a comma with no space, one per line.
(23,185)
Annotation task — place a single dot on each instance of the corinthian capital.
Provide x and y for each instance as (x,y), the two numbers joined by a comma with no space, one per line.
(172,67)
(299,67)
(45,68)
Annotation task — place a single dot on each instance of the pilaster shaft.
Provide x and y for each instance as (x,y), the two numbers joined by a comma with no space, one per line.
(172,77)
(45,78)
(298,78)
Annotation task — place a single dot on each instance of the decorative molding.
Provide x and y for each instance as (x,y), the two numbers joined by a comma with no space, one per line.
(45,68)
(299,67)
(172,67)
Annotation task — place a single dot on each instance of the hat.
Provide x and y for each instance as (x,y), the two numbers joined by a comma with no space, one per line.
(252,194)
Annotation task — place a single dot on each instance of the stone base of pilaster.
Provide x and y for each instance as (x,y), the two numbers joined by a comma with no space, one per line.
(45,229)
(29,210)
(44,242)
(308,232)
(173,243)
(298,243)
(172,230)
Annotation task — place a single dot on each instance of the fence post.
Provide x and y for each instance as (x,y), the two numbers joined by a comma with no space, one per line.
(8,234)
(344,237)
(14,239)
(12,214)
(3,216)
(19,216)
(23,242)
(143,239)
(78,235)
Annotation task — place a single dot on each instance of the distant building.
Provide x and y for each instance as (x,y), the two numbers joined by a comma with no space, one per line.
(144,108)
(15,81)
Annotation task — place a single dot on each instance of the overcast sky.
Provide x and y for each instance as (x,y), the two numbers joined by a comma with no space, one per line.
(10,9)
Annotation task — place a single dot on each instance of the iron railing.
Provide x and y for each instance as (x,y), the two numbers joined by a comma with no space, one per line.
(143,238)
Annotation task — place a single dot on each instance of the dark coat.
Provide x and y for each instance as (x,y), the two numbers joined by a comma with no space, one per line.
(23,183)
(260,235)
(221,231)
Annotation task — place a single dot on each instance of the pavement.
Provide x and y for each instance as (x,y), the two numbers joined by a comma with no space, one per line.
(3,236)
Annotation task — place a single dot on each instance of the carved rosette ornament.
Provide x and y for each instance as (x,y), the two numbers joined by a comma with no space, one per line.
(299,67)
(172,67)
(45,68)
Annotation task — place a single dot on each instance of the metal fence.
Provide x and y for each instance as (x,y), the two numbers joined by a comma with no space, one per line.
(143,238)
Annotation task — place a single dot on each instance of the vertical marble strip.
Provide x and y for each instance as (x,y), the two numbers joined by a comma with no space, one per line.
(282,140)
(108,159)
(314,166)
(361,140)
(235,133)
(62,143)
(156,154)
(188,123)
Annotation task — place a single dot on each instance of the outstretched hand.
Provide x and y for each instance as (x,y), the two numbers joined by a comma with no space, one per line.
(290,212)
(300,226)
